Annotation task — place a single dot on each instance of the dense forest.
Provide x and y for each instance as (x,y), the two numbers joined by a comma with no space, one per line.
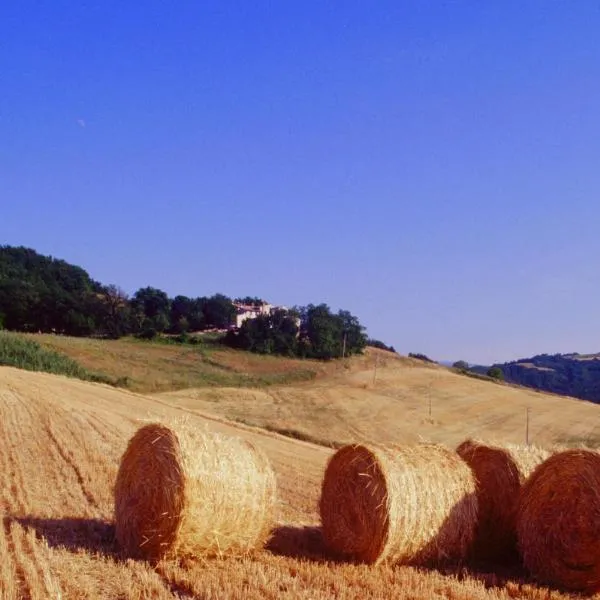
(44,294)
(566,374)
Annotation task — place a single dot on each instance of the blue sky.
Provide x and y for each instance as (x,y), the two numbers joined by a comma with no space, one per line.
(429,166)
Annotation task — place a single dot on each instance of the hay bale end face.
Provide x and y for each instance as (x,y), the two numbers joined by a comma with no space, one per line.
(499,471)
(406,505)
(558,521)
(184,492)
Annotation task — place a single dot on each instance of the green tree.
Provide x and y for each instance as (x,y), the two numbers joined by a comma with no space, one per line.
(495,373)
(268,334)
(255,335)
(155,306)
(218,311)
(353,333)
(115,311)
(322,333)
(379,344)
(461,365)
(284,331)
(420,356)
(46,294)
(196,317)
(181,309)
(250,301)
(190,309)
(182,326)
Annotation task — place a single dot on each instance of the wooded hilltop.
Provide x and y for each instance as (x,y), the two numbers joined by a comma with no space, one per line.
(48,295)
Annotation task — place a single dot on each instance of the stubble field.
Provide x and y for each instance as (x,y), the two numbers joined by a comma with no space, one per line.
(61,441)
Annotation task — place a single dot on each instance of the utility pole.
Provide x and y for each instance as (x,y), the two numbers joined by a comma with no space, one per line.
(344,345)
(429,396)
(527,427)
(375,371)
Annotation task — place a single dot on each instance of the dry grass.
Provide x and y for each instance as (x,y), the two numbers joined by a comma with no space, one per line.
(406,505)
(376,397)
(181,491)
(500,471)
(559,521)
(144,366)
(60,445)
(344,406)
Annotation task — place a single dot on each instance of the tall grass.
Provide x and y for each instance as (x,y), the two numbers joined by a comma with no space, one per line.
(17,351)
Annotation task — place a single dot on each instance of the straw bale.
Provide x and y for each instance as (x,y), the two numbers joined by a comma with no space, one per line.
(181,491)
(558,521)
(400,504)
(500,471)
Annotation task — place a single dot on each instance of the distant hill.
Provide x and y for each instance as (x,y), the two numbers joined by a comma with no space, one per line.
(573,374)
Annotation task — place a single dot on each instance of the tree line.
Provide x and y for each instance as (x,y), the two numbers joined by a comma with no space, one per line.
(44,294)
(313,331)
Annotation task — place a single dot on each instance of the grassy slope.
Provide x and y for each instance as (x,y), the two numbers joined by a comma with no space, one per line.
(154,367)
(350,405)
(25,353)
(379,396)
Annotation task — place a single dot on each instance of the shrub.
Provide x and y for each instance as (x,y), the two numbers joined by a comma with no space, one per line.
(461,365)
(148,333)
(495,373)
(379,344)
(420,356)
(17,351)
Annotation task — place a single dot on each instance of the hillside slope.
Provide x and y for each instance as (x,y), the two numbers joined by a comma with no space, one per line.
(384,397)
(146,366)
(378,396)
(60,443)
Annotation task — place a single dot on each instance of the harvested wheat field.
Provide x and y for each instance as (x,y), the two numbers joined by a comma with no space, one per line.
(61,442)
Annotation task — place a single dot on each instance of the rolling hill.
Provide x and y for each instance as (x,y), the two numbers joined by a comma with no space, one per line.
(388,398)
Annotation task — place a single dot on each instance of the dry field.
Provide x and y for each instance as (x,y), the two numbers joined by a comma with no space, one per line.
(155,367)
(387,398)
(61,440)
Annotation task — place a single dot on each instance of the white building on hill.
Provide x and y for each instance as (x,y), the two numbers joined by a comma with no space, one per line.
(251,311)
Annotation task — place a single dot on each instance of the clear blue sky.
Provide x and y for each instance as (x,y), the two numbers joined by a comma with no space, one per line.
(430,166)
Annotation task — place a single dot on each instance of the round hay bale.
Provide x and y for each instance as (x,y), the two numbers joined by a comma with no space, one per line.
(409,505)
(558,521)
(499,471)
(184,492)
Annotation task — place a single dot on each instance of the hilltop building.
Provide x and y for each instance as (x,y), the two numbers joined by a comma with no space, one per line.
(251,311)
